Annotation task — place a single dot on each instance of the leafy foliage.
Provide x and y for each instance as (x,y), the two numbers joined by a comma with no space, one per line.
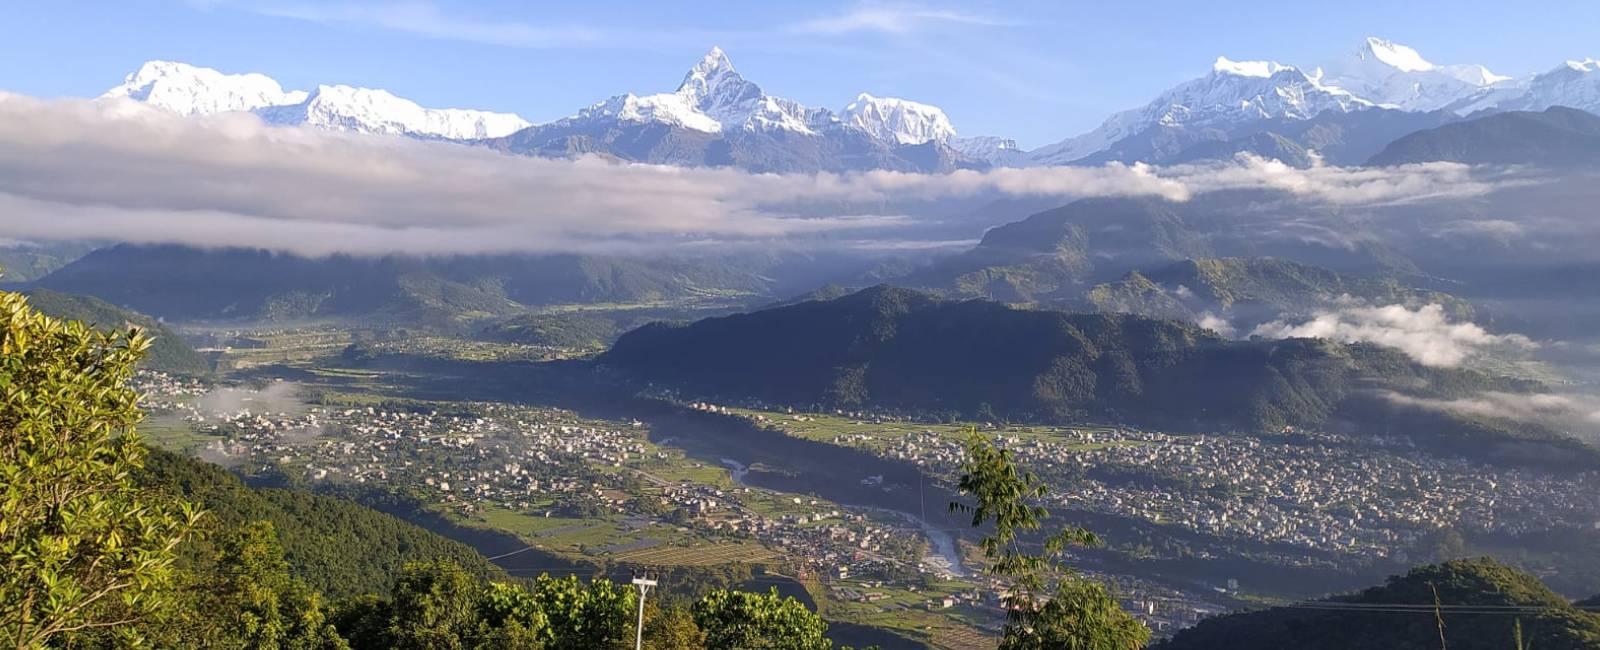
(1048,606)
(81,546)
(740,620)
(1506,600)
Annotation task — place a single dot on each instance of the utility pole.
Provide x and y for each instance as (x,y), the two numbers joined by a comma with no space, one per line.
(644,589)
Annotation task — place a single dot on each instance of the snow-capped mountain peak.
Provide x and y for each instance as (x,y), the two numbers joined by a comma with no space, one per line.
(1394,55)
(714,75)
(715,88)
(898,120)
(192,90)
(1224,65)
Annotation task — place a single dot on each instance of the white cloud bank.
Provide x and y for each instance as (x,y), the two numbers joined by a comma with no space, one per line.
(1425,333)
(116,170)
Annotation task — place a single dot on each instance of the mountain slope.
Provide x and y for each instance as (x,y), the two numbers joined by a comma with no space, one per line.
(1249,291)
(1554,137)
(1059,254)
(1399,616)
(338,547)
(168,352)
(29,261)
(1391,74)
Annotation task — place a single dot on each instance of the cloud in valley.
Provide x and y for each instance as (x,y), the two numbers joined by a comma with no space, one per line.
(1423,333)
(1567,412)
(115,170)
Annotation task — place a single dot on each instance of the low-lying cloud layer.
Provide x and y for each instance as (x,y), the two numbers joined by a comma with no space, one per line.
(1564,412)
(1423,333)
(115,170)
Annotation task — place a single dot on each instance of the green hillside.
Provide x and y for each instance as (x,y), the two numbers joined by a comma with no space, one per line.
(1555,137)
(182,282)
(168,352)
(337,547)
(902,350)
(1481,602)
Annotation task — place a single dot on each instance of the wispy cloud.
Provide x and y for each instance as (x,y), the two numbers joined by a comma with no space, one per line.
(891,19)
(422,19)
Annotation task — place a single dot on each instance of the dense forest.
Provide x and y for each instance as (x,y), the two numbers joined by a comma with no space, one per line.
(903,350)
(316,532)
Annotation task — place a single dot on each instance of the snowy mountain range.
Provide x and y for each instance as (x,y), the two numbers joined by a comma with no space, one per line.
(1350,107)
(715,116)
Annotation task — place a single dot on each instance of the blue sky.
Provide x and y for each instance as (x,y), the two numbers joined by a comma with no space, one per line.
(1038,71)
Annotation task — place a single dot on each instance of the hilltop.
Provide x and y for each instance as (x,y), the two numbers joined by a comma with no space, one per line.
(1483,602)
(168,351)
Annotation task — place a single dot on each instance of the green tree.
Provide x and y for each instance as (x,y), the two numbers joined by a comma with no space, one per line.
(671,628)
(246,598)
(1048,607)
(595,616)
(512,618)
(741,620)
(435,607)
(81,547)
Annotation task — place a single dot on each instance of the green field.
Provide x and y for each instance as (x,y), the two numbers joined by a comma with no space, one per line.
(830,428)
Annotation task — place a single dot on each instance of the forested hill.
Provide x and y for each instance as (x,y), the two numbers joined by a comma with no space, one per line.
(1555,137)
(187,283)
(168,351)
(904,350)
(338,547)
(1482,605)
